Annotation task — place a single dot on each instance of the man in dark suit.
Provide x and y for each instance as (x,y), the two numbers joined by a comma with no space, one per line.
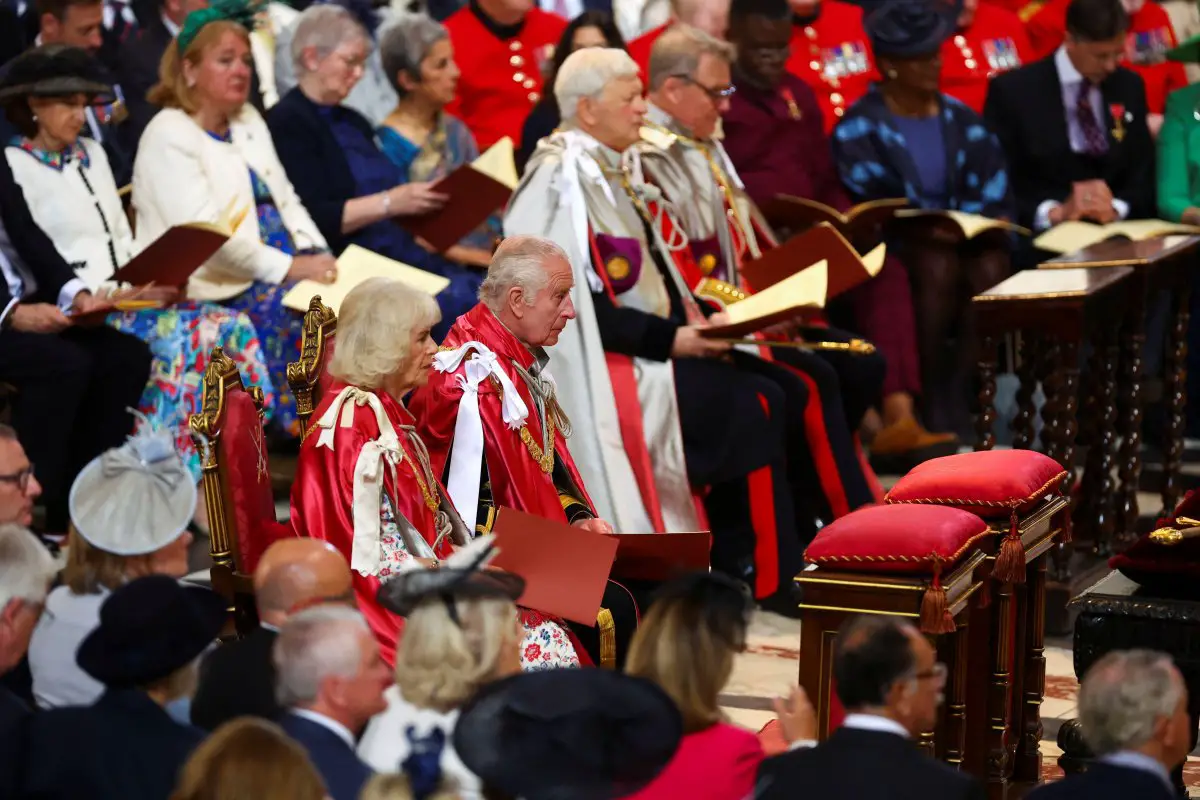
(238,679)
(890,684)
(26,570)
(1133,706)
(80,23)
(74,383)
(1073,126)
(331,678)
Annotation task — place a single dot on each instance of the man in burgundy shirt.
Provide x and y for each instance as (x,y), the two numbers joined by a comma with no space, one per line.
(775,135)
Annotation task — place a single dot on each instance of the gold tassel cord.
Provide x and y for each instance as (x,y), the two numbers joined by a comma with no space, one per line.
(1174,536)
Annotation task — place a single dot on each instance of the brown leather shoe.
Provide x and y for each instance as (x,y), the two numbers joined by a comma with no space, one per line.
(902,445)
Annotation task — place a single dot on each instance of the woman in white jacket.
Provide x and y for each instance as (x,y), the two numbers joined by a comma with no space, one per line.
(72,196)
(207,157)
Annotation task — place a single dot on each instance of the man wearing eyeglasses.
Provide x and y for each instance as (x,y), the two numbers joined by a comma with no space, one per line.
(18,487)
(890,683)
(690,88)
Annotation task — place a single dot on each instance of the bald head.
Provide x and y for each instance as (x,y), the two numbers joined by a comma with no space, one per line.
(294,573)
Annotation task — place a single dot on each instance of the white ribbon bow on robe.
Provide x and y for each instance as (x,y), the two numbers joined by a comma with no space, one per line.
(577,165)
(369,472)
(467,456)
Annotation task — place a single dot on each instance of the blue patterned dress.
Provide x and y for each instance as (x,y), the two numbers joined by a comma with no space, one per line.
(181,337)
(875,160)
(279,328)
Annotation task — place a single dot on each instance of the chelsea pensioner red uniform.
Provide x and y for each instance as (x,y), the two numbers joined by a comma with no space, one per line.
(501,68)
(994,42)
(831,54)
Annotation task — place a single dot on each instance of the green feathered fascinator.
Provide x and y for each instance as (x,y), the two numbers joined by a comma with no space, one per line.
(243,12)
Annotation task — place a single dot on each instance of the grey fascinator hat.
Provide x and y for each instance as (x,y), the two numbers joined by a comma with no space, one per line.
(136,498)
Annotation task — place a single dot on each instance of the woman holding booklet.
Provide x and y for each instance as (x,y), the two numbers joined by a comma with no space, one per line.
(331,154)
(207,154)
(72,196)
(426,143)
(905,138)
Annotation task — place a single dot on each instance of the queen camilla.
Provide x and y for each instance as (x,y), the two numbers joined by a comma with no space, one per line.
(364,482)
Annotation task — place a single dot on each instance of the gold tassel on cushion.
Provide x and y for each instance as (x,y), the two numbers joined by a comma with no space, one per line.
(935,615)
(1010,561)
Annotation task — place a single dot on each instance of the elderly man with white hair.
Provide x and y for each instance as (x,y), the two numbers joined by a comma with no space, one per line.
(26,572)
(331,679)
(1133,709)
(364,480)
(666,409)
(491,417)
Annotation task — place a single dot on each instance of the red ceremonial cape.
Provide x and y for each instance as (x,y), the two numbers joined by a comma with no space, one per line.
(517,479)
(323,492)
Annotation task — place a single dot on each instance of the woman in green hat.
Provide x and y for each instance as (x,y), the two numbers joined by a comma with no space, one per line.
(1179,146)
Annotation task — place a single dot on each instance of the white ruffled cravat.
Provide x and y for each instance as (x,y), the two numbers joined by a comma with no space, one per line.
(467,456)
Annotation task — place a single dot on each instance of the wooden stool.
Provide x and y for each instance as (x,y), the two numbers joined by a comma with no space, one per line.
(1158,264)
(1057,313)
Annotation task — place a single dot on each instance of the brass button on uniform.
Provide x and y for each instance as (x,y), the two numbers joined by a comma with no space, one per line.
(516,61)
(514,46)
(529,83)
(518,77)
(836,99)
(534,97)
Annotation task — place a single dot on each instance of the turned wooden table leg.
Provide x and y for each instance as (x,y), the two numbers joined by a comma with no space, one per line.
(1059,381)
(1176,395)
(1027,377)
(1102,454)
(1067,402)
(999,768)
(1130,424)
(954,653)
(1091,423)
(1028,766)
(985,437)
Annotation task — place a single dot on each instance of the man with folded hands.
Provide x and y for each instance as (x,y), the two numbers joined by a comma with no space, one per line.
(492,422)
(661,410)
(690,87)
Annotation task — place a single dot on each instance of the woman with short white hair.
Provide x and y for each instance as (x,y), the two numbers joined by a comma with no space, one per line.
(363,481)
(329,152)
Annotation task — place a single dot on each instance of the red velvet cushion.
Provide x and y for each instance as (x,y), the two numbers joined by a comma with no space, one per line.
(1167,569)
(242,451)
(991,483)
(905,539)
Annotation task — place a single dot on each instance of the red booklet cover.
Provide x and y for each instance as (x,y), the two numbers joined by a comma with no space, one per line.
(172,258)
(565,568)
(822,242)
(660,556)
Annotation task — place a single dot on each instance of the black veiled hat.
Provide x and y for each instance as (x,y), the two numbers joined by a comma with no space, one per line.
(54,70)
(460,576)
(909,28)
(568,734)
(149,628)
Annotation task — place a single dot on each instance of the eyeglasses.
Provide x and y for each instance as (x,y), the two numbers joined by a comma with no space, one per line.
(767,51)
(714,94)
(937,672)
(20,478)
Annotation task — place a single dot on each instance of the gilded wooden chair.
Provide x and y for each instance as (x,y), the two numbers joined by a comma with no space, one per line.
(236,480)
(308,377)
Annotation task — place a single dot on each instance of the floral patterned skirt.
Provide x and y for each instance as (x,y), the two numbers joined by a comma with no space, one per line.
(546,644)
(181,339)
(279,330)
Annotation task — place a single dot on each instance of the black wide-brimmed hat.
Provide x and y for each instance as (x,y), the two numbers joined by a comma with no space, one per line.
(568,734)
(149,628)
(909,28)
(460,576)
(54,70)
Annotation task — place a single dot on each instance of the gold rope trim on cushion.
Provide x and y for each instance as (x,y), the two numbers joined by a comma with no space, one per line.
(608,638)
(951,559)
(948,501)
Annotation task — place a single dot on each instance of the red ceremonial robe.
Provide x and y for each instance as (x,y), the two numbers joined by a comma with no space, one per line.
(518,480)
(322,499)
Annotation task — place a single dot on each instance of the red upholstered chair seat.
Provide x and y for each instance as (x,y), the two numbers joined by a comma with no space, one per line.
(899,539)
(242,453)
(991,483)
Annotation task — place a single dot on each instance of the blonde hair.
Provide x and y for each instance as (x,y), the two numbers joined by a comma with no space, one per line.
(172,90)
(249,759)
(690,660)
(440,663)
(90,569)
(375,327)
(397,787)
